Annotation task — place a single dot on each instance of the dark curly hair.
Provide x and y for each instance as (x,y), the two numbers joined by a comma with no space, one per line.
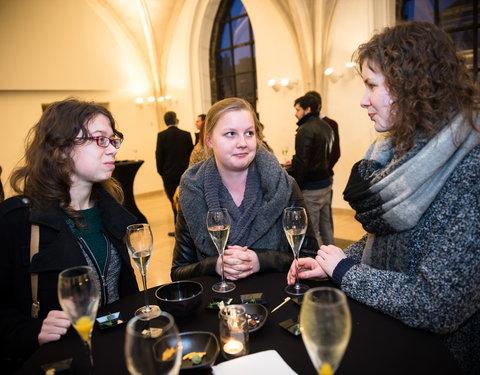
(429,81)
(45,177)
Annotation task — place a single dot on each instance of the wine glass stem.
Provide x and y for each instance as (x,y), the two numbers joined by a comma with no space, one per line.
(297,283)
(144,281)
(88,348)
(223,270)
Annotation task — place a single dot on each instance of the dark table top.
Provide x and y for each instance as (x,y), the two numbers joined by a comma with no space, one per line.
(379,344)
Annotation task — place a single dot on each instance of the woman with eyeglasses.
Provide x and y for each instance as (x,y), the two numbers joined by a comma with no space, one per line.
(65,187)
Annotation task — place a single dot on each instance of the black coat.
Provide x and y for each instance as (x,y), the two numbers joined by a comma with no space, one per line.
(313,146)
(58,250)
(174,147)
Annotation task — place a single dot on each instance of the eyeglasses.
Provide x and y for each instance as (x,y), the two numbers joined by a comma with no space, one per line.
(105,141)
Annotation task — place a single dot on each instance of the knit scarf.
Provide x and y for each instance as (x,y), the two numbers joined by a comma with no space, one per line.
(217,195)
(390,193)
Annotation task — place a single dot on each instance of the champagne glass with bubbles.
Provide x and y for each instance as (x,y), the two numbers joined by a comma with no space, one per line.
(295,224)
(139,244)
(79,295)
(218,225)
(325,325)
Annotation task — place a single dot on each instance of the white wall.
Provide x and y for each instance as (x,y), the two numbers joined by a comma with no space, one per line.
(53,49)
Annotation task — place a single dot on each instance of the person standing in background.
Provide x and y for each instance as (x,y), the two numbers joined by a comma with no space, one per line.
(174,147)
(313,145)
(199,124)
(199,152)
(335,154)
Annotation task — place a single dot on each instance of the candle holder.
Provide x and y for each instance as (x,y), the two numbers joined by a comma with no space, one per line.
(233,331)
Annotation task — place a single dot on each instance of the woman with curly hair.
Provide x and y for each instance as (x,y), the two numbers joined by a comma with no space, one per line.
(416,192)
(65,189)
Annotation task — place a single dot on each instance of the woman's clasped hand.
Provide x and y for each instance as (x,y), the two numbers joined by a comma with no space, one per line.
(239,262)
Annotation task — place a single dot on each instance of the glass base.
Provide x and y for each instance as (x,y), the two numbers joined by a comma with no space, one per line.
(296,289)
(152,312)
(223,287)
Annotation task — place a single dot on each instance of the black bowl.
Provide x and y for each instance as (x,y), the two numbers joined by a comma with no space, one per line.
(180,298)
(197,341)
(257,314)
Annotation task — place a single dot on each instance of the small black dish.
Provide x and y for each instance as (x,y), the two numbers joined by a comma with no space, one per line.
(109,321)
(257,315)
(62,367)
(199,342)
(291,325)
(253,298)
(214,303)
(180,298)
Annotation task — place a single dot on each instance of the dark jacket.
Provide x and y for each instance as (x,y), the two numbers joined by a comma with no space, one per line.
(58,250)
(195,253)
(313,145)
(335,154)
(174,147)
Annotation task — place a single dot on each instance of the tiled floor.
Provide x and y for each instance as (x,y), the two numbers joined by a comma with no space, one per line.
(156,207)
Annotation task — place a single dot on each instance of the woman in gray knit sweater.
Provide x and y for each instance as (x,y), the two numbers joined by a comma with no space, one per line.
(247,180)
(416,192)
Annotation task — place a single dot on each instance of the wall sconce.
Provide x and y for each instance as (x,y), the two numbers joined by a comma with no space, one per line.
(335,74)
(151,99)
(272,82)
(284,82)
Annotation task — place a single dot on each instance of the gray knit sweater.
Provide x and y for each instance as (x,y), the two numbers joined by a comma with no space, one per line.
(429,276)
(195,254)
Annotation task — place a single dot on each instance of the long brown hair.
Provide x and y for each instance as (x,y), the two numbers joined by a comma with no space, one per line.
(45,177)
(428,80)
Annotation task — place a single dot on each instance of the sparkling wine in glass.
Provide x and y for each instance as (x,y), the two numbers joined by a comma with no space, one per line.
(139,244)
(218,225)
(153,345)
(79,295)
(285,153)
(295,224)
(325,325)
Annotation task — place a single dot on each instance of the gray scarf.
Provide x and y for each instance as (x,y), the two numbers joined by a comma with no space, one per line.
(217,196)
(391,194)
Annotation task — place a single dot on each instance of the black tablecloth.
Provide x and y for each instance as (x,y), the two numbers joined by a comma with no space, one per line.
(125,172)
(379,344)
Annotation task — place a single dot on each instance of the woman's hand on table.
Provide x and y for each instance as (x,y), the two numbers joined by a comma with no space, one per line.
(308,269)
(54,326)
(328,258)
(239,262)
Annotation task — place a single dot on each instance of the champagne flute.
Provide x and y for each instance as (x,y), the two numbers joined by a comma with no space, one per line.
(153,345)
(285,154)
(325,325)
(295,224)
(139,244)
(218,225)
(79,294)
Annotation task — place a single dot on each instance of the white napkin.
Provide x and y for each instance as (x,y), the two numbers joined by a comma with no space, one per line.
(261,363)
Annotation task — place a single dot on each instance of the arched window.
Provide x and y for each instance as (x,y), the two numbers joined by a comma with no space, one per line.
(233,70)
(460,18)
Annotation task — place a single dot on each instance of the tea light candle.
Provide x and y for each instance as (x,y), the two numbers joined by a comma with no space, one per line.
(233,347)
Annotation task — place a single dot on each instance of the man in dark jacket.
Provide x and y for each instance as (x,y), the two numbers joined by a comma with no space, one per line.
(311,165)
(174,147)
